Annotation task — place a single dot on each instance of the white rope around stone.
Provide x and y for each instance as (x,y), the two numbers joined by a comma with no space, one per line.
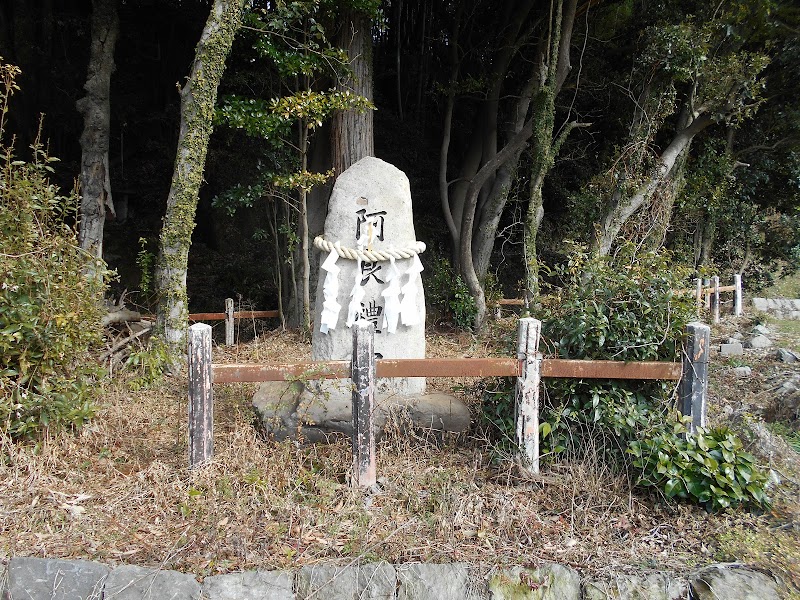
(370,255)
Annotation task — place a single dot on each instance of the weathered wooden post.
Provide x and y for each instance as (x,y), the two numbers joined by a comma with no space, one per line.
(201,396)
(527,413)
(363,376)
(230,324)
(715,298)
(707,292)
(694,378)
(699,293)
(737,295)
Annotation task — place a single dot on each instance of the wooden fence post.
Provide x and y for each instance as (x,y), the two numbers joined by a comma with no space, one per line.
(694,378)
(706,292)
(699,293)
(528,391)
(715,298)
(201,396)
(230,324)
(363,376)
(737,295)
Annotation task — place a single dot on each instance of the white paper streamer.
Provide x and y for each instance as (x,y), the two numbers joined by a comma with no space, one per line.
(330,291)
(357,293)
(408,305)
(391,305)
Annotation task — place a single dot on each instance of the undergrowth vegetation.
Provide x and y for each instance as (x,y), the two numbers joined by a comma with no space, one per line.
(49,310)
(628,308)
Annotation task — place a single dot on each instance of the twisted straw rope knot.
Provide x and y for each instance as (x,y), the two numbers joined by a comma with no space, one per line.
(370,255)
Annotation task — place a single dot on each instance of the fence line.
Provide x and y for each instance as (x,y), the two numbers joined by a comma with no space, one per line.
(230,316)
(528,367)
(706,291)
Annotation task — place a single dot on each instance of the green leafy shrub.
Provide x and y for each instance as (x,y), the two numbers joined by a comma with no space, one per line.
(49,311)
(708,467)
(627,308)
(447,292)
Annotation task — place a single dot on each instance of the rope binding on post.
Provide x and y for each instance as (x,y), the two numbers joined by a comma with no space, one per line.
(370,255)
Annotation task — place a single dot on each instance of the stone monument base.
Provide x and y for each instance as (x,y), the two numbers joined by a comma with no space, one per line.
(314,412)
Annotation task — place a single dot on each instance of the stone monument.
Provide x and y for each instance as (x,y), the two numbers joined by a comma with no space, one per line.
(370,269)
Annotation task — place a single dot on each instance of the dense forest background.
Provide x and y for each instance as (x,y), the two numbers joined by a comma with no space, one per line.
(523,126)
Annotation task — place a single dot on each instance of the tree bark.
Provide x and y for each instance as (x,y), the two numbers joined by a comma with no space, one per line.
(622,207)
(96,110)
(352,136)
(198,98)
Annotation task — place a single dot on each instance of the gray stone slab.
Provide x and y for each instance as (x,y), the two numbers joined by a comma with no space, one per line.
(51,579)
(731,349)
(250,585)
(656,586)
(370,581)
(759,342)
(733,581)
(372,199)
(418,581)
(130,582)
(549,581)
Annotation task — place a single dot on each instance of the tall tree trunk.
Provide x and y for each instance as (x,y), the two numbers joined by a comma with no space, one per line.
(623,206)
(198,98)
(352,135)
(96,110)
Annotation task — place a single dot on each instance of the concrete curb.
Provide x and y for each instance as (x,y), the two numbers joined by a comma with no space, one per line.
(54,579)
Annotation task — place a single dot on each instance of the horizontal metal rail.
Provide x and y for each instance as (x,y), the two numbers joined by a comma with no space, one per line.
(241,314)
(449,367)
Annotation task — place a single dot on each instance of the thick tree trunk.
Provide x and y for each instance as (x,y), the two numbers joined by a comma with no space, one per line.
(198,98)
(352,135)
(96,110)
(475,286)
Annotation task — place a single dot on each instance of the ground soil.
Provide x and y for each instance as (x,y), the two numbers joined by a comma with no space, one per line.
(119,491)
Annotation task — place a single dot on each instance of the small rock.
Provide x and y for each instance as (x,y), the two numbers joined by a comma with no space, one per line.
(130,582)
(759,341)
(376,581)
(742,371)
(761,329)
(734,581)
(275,585)
(55,579)
(736,337)
(656,586)
(731,349)
(550,581)
(422,581)
(786,355)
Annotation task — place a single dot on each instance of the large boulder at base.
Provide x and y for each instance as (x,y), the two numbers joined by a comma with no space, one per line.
(370,208)
(734,581)
(288,410)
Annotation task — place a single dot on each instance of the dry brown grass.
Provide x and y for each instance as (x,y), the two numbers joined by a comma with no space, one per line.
(119,491)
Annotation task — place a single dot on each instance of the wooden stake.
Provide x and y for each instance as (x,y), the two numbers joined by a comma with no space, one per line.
(528,391)
(699,283)
(230,324)
(707,292)
(715,298)
(363,376)
(201,396)
(694,382)
(737,295)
